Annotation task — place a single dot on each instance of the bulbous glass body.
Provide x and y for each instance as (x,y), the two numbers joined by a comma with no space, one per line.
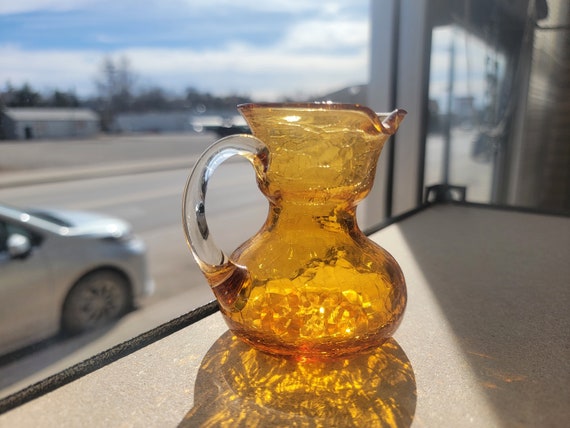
(310,283)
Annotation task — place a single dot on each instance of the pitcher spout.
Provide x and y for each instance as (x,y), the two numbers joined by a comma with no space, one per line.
(391,121)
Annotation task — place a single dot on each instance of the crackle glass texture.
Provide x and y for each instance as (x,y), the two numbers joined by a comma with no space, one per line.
(310,283)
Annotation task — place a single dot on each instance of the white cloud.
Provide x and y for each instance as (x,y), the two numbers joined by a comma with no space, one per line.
(48,69)
(263,73)
(326,35)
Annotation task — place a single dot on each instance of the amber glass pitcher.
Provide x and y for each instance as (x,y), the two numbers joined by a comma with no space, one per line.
(309,283)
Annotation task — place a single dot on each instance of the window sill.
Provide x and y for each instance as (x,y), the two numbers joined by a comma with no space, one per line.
(485,337)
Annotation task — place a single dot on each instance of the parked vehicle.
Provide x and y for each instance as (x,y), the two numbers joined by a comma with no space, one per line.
(65,271)
(220,125)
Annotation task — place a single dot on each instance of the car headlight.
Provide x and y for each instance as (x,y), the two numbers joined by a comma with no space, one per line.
(123,237)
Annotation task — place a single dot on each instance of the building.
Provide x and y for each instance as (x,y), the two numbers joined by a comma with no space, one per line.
(28,123)
(155,121)
(356,94)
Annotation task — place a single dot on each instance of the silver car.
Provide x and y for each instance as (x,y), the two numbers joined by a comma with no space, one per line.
(65,271)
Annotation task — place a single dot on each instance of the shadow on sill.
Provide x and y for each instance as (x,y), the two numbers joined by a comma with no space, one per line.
(240,386)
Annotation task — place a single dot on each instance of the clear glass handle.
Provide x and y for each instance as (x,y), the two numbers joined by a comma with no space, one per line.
(212,260)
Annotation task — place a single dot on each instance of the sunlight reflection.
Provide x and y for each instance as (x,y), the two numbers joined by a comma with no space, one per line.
(240,386)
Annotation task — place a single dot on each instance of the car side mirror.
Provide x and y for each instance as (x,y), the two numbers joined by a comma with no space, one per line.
(19,246)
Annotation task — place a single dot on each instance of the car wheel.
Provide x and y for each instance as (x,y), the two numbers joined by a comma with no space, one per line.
(95,300)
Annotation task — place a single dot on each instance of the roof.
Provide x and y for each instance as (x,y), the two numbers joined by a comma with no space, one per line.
(50,114)
(351,95)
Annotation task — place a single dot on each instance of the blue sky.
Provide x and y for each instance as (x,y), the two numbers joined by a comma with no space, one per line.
(266,49)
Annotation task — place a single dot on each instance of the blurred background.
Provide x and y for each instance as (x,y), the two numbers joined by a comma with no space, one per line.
(106,105)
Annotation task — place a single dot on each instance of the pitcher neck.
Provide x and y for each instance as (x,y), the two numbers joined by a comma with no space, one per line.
(307,216)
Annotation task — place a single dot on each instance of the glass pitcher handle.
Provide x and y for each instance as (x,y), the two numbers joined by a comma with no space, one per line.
(211,259)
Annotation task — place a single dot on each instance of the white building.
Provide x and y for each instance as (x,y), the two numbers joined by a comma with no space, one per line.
(30,123)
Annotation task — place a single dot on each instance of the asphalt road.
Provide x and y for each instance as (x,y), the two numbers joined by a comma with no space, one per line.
(33,155)
(42,161)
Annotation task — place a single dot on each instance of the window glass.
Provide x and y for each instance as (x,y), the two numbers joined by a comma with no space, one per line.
(466,111)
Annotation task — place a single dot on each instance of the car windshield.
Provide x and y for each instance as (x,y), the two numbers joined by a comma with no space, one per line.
(52,218)
(24,215)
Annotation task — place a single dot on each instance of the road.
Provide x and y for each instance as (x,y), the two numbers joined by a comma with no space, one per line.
(151,202)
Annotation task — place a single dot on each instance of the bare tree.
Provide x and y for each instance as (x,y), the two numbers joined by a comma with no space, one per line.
(115,87)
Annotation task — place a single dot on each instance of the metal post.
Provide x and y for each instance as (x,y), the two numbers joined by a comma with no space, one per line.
(449,116)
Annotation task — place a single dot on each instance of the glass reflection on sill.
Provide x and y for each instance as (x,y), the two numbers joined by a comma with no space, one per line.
(240,386)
